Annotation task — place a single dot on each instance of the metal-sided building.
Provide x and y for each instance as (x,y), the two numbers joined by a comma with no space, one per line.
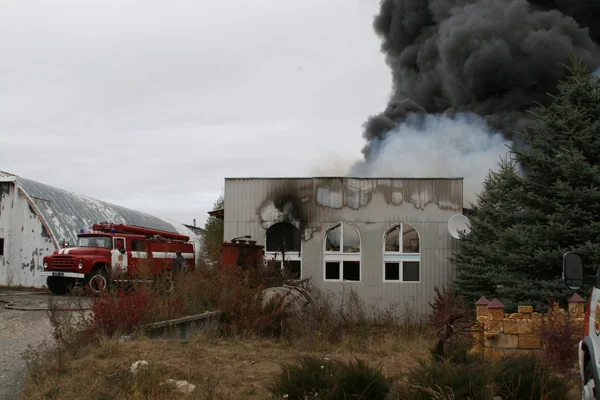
(387,239)
(36,218)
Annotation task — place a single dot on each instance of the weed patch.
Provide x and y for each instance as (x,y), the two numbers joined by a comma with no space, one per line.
(512,378)
(323,378)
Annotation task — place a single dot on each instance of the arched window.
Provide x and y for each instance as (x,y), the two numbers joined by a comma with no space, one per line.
(284,243)
(342,253)
(401,254)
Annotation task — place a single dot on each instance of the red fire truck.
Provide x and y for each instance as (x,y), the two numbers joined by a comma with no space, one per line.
(109,250)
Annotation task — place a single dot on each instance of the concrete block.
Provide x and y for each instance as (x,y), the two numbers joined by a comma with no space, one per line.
(576,308)
(494,325)
(510,326)
(525,309)
(496,313)
(525,326)
(506,341)
(530,341)
(536,326)
(482,310)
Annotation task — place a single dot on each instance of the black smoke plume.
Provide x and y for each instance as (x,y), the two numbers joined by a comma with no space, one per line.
(493,58)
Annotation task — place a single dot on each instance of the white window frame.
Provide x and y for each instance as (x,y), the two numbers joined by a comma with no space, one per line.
(289,255)
(399,256)
(340,256)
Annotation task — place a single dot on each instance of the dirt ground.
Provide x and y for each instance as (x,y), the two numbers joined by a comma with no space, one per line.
(220,369)
(19,330)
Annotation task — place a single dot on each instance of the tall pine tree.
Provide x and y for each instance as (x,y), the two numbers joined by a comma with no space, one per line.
(481,260)
(560,195)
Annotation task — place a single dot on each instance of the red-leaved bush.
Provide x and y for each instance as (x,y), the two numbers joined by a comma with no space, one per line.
(124,311)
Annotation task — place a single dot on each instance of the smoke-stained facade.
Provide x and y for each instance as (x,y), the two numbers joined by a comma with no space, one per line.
(494,58)
(385,238)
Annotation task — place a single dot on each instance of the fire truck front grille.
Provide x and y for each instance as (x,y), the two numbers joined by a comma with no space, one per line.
(62,262)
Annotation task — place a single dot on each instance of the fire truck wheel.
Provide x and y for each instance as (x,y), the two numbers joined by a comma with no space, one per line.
(59,286)
(589,389)
(97,282)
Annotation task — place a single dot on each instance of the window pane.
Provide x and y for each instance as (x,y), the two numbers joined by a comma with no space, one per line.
(410,271)
(351,239)
(332,242)
(391,239)
(352,270)
(410,239)
(293,267)
(283,236)
(392,271)
(137,245)
(332,270)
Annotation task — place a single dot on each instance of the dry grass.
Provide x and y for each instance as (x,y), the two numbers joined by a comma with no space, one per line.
(220,368)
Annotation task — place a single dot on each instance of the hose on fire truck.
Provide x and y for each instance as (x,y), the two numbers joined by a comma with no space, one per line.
(9,304)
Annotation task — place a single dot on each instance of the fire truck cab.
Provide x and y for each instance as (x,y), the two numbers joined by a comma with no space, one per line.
(116,251)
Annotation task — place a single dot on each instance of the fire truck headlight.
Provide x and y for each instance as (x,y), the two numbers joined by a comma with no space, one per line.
(80,265)
(45,265)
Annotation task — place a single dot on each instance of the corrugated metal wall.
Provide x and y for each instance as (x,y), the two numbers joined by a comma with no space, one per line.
(372,206)
(26,240)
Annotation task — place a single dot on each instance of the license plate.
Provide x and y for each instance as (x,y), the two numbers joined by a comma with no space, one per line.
(58,274)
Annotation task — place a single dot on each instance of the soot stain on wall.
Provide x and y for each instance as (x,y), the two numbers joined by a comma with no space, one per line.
(291,201)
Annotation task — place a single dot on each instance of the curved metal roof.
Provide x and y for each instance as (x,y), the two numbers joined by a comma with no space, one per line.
(65,213)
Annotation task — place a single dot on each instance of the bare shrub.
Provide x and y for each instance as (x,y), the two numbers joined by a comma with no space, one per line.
(240,300)
(68,322)
(452,320)
(560,334)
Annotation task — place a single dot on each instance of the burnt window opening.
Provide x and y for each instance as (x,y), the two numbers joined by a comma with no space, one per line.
(138,245)
(283,236)
(342,253)
(284,245)
(401,254)
(1,246)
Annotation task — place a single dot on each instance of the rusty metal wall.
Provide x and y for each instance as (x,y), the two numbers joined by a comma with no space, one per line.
(371,205)
(26,240)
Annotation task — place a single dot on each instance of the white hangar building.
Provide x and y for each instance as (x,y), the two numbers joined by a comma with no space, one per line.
(35,219)
(387,239)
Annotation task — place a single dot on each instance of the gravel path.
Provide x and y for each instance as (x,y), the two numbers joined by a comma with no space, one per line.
(18,330)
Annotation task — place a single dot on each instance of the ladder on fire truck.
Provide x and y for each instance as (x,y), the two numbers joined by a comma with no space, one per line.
(155,234)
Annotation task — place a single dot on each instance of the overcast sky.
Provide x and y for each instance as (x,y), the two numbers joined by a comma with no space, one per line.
(151,104)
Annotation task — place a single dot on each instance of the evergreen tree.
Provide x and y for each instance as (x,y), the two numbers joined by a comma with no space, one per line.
(482,259)
(560,194)
(212,237)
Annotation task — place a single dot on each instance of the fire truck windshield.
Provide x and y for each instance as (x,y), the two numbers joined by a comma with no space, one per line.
(95,241)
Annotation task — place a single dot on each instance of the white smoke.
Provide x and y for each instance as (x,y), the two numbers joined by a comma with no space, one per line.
(437,145)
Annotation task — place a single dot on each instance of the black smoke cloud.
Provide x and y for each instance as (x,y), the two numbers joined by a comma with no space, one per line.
(494,58)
